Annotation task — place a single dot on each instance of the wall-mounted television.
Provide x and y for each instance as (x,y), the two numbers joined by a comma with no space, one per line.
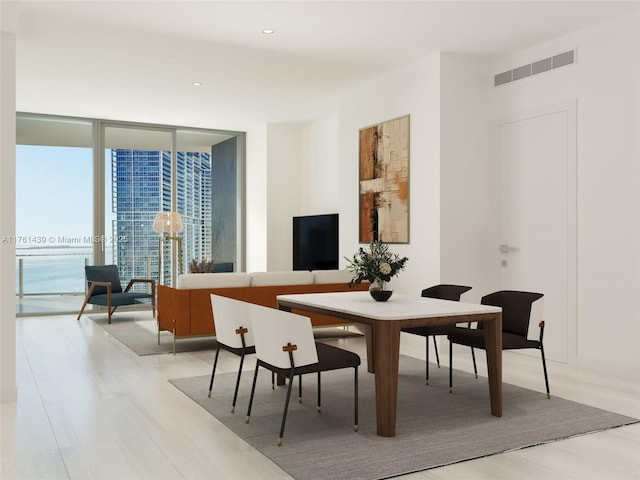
(315,242)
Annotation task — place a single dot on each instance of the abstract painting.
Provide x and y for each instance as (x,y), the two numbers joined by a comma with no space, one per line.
(384,182)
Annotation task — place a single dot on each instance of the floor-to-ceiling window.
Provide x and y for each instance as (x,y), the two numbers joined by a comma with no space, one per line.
(54,234)
(138,176)
(101,184)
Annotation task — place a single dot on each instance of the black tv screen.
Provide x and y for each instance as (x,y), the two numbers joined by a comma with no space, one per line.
(315,242)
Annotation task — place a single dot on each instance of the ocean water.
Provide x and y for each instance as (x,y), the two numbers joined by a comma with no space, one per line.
(52,270)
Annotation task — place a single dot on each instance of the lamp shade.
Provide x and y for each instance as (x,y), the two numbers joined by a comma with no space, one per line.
(168,222)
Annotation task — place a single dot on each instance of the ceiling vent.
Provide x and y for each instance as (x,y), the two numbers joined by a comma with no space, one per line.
(557,61)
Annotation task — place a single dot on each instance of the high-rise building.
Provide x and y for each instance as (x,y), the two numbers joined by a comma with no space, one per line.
(141,187)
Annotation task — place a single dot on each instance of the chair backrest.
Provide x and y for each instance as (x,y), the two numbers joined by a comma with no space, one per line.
(445,292)
(273,329)
(103,273)
(228,316)
(516,309)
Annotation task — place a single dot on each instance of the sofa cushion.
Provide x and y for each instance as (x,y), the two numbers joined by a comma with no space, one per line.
(332,276)
(213,280)
(298,277)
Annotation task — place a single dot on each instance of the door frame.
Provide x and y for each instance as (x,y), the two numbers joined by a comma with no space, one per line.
(570,107)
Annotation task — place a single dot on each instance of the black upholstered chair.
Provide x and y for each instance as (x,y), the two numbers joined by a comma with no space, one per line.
(285,345)
(516,314)
(104,288)
(443,292)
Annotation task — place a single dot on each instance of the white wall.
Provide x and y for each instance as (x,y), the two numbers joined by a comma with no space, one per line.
(413,90)
(8,390)
(453,199)
(256,193)
(300,178)
(320,164)
(606,83)
(284,152)
(469,229)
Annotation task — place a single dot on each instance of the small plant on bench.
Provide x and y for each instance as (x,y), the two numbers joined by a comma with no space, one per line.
(204,266)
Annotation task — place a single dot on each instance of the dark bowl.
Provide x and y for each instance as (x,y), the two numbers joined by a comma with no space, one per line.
(381,295)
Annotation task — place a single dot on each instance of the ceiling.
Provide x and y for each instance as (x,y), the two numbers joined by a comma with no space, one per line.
(137,60)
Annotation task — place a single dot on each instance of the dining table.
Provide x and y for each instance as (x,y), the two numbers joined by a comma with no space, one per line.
(383,322)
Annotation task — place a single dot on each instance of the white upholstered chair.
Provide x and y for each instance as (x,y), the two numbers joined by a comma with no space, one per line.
(285,345)
(232,321)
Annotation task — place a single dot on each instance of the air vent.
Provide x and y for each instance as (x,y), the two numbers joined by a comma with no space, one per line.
(557,61)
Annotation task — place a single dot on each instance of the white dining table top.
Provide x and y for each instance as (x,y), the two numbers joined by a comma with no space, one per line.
(398,307)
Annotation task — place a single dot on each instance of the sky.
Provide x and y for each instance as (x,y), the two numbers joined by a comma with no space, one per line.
(54,195)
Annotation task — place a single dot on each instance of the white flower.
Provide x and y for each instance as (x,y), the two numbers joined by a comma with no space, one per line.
(385,268)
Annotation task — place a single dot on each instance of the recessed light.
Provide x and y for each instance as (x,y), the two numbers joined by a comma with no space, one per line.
(196,84)
(154,115)
(268,31)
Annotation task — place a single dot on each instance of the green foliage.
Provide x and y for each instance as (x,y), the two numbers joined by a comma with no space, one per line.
(378,263)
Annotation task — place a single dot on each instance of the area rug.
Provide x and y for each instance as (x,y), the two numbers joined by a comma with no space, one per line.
(434,428)
(140,334)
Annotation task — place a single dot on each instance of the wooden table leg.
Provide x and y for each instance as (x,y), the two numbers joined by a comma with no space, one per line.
(387,352)
(368,335)
(493,344)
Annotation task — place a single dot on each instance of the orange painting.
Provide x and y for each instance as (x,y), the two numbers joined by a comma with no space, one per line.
(384,182)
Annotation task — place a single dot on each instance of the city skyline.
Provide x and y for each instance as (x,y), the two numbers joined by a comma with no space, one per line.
(138,185)
(141,183)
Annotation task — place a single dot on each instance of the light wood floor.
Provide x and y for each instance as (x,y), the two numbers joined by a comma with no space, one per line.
(89,408)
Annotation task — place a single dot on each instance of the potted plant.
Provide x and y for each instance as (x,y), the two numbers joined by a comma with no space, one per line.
(204,266)
(376,265)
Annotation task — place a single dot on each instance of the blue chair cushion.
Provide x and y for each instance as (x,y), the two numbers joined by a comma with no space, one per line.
(122,298)
(103,273)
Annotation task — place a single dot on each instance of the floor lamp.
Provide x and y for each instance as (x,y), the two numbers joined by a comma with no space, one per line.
(168,224)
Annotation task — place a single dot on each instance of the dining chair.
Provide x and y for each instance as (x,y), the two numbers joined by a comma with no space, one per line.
(443,292)
(234,333)
(516,315)
(104,288)
(285,345)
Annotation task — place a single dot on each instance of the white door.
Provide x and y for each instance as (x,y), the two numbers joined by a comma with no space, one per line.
(537,217)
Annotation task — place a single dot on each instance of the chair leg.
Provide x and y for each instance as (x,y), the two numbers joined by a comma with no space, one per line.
(544,367)
(213,372)
(86,300)
(235,393)
(286,409)
(435,345)
(355,400)
(319,407)
(109,311)
(253,389)
(450,366)
(475,368)
(299,388)
(426,368)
